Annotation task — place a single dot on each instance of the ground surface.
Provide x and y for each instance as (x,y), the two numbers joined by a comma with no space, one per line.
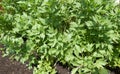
(12,67)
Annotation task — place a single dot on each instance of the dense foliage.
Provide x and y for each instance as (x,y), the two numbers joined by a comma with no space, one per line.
(84,34)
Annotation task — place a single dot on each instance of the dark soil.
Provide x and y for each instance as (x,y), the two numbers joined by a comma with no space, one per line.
(12,67)
(115,70)
(8,66)
(62,69)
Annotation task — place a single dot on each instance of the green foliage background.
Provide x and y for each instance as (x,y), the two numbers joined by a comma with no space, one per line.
(84,34)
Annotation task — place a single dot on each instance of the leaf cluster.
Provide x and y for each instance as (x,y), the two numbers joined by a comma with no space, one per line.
(84,34)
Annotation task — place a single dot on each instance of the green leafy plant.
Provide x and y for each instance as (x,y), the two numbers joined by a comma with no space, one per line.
(84,34)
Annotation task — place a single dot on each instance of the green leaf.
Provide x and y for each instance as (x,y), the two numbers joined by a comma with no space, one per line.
(74,70)
(103,71)
(100,63)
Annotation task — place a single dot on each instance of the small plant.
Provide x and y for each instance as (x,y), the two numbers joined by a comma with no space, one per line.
(84,34)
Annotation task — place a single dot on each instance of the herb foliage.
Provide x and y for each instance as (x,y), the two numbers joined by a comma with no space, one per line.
(84,34)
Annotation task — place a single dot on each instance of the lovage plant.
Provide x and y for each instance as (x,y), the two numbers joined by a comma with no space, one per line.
(84,34)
